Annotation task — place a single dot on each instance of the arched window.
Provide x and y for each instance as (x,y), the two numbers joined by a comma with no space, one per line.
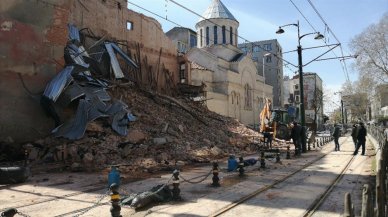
(207,36)
(223,35)
(201,37)
(215,35)
(231,35)
(235,36)
(248,96)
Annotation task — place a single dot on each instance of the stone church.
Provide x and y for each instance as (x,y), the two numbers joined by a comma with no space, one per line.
(233,86)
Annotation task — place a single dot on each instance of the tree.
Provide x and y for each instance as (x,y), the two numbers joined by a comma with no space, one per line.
(371,46)
(355,97)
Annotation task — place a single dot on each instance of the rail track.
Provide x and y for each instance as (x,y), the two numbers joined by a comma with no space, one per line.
(309,212)
(314,206)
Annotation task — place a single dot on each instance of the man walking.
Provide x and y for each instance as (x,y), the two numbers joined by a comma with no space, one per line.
(354,135)
(336,135)
(361,137)
(296,133)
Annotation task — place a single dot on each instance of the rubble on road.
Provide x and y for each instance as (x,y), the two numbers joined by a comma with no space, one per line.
(123,124)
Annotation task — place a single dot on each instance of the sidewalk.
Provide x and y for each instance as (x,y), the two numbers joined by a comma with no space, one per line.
(199,199)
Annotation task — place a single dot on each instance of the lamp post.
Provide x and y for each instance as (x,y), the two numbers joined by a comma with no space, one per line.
(300,66)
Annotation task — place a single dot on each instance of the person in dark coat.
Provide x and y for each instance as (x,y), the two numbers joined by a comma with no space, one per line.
(296,136)
(336,135)
(361,138)
(354,134)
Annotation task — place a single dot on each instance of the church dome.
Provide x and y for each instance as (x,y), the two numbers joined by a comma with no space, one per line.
(217,10)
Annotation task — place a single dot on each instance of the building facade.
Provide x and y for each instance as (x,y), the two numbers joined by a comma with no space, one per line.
(184,38)
(233,86)
(268,57)
(313,97)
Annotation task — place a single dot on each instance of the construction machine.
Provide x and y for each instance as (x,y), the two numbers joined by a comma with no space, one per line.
(275,121)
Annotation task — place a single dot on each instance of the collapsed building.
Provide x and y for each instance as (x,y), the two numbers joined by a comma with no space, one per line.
(32,52)
(90,82)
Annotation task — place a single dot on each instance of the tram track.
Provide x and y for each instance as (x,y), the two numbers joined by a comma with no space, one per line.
(311,209)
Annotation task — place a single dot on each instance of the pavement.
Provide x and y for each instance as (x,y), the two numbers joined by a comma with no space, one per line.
(58,194)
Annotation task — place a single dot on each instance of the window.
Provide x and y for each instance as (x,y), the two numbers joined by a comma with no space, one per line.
(248,97)
(256,48)
(182,76)
(129,25)
(207,36)
(267,47)
(201,37)
(231,35)
(296,87)
(223,35)
(297,99)
(215,35)
(182,48)
(193,40)
(244,49)
(268,59)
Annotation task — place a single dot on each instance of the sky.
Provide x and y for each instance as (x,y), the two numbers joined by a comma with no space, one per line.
(259,20)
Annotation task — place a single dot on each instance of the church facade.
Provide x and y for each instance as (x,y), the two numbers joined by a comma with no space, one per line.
(234,87)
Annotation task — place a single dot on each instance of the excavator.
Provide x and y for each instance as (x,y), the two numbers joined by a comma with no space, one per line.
(275,121)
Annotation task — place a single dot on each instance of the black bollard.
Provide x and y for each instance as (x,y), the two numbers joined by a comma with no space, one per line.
(9,212)
(308,146)
(278,157)
(216,179)
(262,160)
(175,184)
(288,156)
(241,166)
(115,199)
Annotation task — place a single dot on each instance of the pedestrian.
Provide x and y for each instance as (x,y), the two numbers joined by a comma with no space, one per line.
(361,138)
(268,138)
(336,135)
(296,136)
(354,134)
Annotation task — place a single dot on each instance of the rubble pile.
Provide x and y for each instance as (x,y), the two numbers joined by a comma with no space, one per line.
(119,123)
(163,135)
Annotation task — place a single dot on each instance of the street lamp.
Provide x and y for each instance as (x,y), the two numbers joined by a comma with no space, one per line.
(300,66)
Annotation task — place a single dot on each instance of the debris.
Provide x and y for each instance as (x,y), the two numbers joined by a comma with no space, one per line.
(13,175)
(75,82)
(159,193)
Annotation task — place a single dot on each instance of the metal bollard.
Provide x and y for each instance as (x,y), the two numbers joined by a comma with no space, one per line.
(9,212)
(278,157)
(288,156)
(241,166)
(175,184)
(115,199)
(262,160)
(216,179)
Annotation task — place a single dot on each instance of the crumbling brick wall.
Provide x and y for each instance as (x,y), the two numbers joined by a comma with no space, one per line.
(32,38)
(110,18)
(33,34)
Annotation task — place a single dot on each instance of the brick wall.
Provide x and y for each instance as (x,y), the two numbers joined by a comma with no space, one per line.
(33,34)
(32,38)
(105,18)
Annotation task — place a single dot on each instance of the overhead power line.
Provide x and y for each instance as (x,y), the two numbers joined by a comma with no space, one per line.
(244,39)
(344,68)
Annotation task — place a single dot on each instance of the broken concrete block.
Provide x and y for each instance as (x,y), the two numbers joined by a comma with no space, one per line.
(160,141)
(216,151)
(136,136)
